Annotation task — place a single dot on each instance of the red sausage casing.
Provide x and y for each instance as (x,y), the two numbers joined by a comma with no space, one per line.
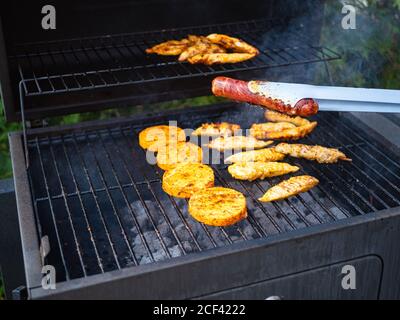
(239,90)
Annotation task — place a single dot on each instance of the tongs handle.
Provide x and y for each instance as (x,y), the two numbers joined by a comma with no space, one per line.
(337,98)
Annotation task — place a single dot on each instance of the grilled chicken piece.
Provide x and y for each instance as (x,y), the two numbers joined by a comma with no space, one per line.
(237,143)
(289,134)
(169,48)
(216,129)
(233,44)
(274,116)
(318,153)
(263,155)
(199,48)
(259,130)
(214,58)
(290,187)
(259,170)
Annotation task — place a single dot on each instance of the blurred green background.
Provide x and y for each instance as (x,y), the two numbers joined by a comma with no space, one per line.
(370,58)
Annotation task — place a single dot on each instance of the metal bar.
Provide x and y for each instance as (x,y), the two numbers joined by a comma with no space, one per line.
(354,155)
(52,214)
(89,228)
(148,214)
(89,180)
(149,186)
(55,164)
(354,132)
(114,207)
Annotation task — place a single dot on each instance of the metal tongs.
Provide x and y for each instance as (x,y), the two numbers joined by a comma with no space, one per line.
(331,98)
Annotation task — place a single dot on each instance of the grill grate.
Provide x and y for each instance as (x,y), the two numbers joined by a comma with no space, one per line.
(93,63)
(102,206)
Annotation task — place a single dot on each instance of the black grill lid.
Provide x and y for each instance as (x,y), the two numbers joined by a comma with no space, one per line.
(95,57)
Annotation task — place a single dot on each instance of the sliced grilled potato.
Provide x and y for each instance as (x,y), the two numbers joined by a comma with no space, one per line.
(218,206)
(182,152)
(154,137)
(187,179)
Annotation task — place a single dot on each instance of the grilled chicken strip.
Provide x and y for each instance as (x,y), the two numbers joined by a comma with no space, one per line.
(259,170)
(317,153)
(290,187)
(274,116)
(199,48)
(232,43)
(289,134)
(259,130)
(264,155)
(169,48)
(214,58)
(216,129)
(237,143)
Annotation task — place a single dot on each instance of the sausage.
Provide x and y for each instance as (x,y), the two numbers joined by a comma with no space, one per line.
(238,90)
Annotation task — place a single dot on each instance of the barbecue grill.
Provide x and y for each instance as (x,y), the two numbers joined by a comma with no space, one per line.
(90,205)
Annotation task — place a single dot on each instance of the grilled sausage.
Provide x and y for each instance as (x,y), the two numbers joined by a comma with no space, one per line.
(238,90)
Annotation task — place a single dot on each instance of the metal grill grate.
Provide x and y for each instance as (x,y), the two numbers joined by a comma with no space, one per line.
(93,63)
(102,206)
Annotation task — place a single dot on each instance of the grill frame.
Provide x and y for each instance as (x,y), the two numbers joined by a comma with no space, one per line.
(131,275)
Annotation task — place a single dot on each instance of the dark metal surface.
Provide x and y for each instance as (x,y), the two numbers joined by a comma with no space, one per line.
(11,261)
(102,206)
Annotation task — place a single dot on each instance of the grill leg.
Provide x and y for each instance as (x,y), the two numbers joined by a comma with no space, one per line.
(11,261)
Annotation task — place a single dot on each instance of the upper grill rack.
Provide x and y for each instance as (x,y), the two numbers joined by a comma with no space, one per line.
(116,60)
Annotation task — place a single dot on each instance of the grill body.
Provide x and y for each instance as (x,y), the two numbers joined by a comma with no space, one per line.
(110,225)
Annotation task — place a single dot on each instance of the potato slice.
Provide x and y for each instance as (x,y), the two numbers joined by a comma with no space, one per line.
(182,152)
(187,179)
(218,206)
(155,137)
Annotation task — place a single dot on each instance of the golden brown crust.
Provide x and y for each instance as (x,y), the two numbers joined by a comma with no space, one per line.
(169,48)
(317,153)
(199,48)
(187,179)
(293,133)
(275,116)
(232,43)
(260,170)
(265,155)
(219,58)
(218,206)
(216,129)
(237,143)
(155,137)
(290,187)
(260,130)
(183,152)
